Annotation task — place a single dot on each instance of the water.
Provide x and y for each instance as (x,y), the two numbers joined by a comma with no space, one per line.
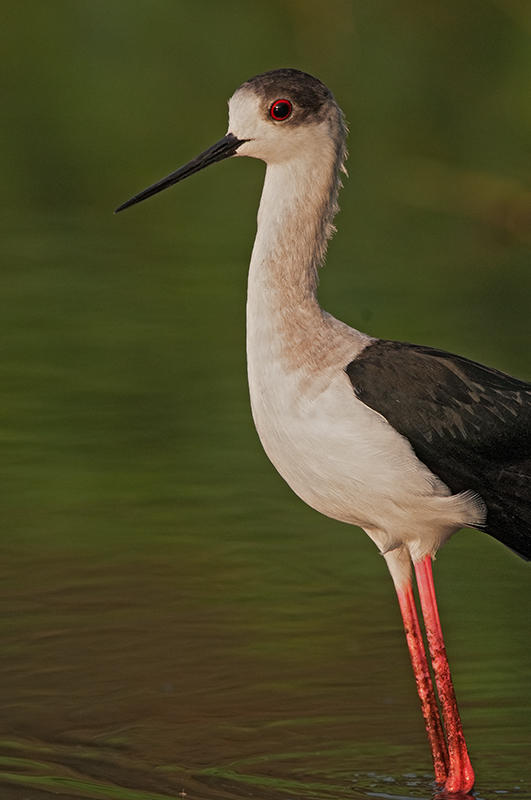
(174,622)
(231,666)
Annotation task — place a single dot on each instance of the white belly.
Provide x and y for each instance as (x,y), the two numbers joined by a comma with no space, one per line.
(344,460)
(338,455)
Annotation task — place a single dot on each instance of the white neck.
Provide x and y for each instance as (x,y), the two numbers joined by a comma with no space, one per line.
(284,320)
(294,222)
(298,204)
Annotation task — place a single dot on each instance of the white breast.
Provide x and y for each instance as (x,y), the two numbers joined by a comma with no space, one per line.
(341,457)
(338,455)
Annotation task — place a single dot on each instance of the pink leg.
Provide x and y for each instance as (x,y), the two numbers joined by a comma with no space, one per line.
(460,775)
(425,691)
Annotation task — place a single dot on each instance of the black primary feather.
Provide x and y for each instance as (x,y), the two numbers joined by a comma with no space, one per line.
(469,424)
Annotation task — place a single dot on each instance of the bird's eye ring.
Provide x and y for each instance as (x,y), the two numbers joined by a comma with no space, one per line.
(281,110)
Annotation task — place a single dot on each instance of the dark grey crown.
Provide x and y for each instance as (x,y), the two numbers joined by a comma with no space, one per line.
(310,95)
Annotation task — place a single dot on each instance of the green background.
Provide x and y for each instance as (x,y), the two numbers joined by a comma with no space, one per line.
(173,618)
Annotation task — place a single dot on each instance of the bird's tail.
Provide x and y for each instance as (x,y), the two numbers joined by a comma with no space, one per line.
(509,508)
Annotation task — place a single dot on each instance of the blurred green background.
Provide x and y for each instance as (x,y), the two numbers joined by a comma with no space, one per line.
(173,618)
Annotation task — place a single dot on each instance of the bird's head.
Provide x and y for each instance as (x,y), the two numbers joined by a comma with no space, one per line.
(283,113)
(275,117)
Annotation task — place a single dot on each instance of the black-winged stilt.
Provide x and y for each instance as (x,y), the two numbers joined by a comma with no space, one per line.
(407,442)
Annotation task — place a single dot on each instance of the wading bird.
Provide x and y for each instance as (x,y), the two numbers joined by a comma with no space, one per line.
(408,442)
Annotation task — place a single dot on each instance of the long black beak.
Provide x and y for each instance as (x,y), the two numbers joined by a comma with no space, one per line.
(223,149)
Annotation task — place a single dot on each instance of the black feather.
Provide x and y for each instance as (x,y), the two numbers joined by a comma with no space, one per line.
(469,424)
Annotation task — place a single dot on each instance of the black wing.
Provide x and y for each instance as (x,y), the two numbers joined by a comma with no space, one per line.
(470,425)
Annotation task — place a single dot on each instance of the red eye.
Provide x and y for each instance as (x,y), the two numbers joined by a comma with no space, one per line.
(281,110)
